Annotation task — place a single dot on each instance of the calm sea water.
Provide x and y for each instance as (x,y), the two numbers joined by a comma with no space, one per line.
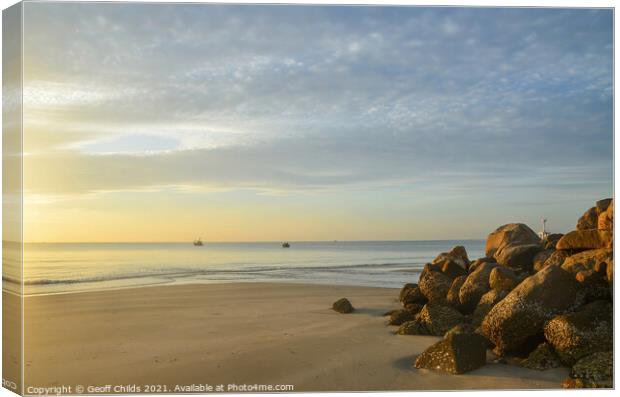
(57,268)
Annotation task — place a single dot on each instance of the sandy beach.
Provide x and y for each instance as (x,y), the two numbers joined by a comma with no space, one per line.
(243,333)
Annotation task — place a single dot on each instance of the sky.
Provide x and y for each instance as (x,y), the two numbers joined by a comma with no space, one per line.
(165,122)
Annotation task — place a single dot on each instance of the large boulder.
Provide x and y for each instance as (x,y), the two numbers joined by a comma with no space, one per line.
(595,285)
(451,269)
(343,306)
(397,317)
(405,290)
(551,240)
(453,294)
(456,354)
(585,240)
(463,328)
(517,320)
(603,205)
(485,305)
(474,264)
(476,284)
(429,267)
(541,257)
(434,285)
(414,308)
(412,327)
(440,318)
(503,279)
(593,371)
(510,234)
(576,335)
(588,260)
(590,269)
(606,218)
(412,295)
(542,358)
(589,220)
(557,258)
(519,257)
(457,254)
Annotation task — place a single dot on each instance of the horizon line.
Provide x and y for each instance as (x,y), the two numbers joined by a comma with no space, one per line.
(244,241)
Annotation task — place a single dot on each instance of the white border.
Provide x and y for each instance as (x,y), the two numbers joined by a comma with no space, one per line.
(476,3)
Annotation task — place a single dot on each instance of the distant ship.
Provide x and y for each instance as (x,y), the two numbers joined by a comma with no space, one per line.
(286,245)
(198,243)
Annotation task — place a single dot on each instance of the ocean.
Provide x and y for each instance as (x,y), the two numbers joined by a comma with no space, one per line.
(64,268)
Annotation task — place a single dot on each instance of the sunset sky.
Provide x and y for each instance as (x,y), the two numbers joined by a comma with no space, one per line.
(235,123)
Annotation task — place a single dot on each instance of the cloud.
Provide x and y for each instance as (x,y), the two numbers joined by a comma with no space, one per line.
(308,98)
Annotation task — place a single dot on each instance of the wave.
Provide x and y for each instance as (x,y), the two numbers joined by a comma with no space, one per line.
(184,273)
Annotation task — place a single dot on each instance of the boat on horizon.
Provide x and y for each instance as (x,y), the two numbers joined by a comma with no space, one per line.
(286,245)
(198,243)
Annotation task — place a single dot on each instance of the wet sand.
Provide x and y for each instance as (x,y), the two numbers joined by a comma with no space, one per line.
(240,333)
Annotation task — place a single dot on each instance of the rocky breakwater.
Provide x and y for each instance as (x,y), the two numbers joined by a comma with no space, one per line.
(543,303)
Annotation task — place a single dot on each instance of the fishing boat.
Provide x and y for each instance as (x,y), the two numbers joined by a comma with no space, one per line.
(286,245)
(198,243)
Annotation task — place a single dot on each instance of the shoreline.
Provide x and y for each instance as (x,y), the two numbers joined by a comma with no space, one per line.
(198,283)
(239,333)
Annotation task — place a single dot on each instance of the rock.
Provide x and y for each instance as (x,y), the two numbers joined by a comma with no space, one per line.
(503,279)
(541,258)
(412,295)
(589,220)
(519,257)
(552,240)
(414,308)
(435,286)
(510,234)
(456,354)
(459,252)
(603,205)
(555,259)
(542,358)
(474,265)
(585,240)
(406,288)
(588,260)
(517,320)
(576,335)
(430,267)
(594,284)
(466,328)
(600,267)
(463,328)
(606,219)
(452,269)
(400,316)
(413,327)
(486,303)
(458,255)
(343,306)
(389,312)
(453,293)
(593,371)
(440,318)
(476,284)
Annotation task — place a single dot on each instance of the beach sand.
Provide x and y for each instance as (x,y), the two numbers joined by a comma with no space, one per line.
(242,333)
